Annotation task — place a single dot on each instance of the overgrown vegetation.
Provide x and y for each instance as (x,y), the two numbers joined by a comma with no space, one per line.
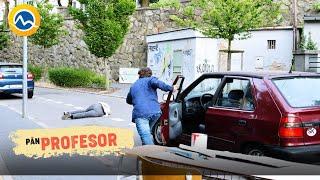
(4,37)
(37,71)
(227,19)
(105,23)
(74,77)
(51,28)
(316,6)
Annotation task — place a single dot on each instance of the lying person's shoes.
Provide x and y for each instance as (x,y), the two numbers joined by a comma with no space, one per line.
(66,116)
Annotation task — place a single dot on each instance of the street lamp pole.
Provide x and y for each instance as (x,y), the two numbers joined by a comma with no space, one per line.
(25,78)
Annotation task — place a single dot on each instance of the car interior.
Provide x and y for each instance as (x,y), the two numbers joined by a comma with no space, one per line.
(190,112)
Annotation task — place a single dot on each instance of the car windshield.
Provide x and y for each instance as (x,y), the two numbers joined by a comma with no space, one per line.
(300,91)
(209,85)
(11,68)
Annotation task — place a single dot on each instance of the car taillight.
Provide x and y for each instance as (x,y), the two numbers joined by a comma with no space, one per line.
(290,127)
(30,76)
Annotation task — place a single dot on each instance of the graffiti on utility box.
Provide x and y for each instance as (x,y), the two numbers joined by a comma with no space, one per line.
(205,67)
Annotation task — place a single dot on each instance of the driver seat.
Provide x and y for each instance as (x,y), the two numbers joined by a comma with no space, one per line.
(234,97)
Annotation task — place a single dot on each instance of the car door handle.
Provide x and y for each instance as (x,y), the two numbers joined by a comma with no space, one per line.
(242,122)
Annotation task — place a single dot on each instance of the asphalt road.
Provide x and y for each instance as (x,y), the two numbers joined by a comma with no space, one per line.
(45,111)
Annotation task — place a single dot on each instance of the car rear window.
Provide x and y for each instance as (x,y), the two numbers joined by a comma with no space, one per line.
(300,91)
(11,68)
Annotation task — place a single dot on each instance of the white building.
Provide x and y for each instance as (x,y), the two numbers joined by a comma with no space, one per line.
(312,26)
(191,54)
(267,49)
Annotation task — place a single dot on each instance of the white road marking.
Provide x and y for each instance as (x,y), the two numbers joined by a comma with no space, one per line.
(117,119)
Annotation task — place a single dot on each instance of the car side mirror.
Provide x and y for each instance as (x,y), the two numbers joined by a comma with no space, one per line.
(165,97)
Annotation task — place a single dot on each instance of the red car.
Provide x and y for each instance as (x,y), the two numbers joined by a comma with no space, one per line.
(273,114)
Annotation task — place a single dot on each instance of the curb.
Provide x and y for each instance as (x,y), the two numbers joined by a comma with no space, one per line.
(81,91)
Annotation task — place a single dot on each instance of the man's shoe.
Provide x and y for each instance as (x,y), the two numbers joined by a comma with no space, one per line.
(65,117)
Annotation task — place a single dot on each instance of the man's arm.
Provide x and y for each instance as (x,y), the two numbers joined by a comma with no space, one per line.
(129,97)
(155,83)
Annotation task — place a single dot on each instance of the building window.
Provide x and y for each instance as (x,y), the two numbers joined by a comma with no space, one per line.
(271,44)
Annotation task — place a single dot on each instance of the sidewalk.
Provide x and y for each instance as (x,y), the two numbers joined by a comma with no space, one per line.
(122,91)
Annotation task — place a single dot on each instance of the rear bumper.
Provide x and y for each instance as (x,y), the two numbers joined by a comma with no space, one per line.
(11,91)
(308,154)
(6,87)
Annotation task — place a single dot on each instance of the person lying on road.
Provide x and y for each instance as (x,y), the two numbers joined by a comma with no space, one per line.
(95,110)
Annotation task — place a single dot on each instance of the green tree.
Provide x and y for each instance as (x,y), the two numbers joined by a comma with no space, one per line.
(51,28)
(105,23)
(227,19)
(4,37)
(310,45)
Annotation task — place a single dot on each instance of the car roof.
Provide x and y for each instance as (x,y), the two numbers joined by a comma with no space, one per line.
(8,64)
(264,74)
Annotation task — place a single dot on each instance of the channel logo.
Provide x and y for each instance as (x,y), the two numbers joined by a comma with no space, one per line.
(24,20)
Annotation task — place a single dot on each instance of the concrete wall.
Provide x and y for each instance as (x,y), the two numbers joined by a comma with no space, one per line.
(256,47)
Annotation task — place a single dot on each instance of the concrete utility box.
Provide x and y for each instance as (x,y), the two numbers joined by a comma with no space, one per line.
(184,51)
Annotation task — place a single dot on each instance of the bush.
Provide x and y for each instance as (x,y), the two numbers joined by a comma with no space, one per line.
(72,77)
(98,81)
(36,71)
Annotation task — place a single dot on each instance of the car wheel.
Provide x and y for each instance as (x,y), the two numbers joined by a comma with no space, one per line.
(156,132)
(30,94)
(254,150)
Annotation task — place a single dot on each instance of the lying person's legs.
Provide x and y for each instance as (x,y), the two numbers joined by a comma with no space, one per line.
(91,113)
(94,110)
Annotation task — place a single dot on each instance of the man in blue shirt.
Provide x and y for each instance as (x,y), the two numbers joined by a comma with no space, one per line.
(146,108)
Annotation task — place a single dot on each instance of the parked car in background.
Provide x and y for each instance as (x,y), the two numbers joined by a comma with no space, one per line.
(11,79)
(272,114)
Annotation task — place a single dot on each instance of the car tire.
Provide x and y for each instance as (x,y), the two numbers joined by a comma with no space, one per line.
(156,133)
(255,150)
(30,94)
